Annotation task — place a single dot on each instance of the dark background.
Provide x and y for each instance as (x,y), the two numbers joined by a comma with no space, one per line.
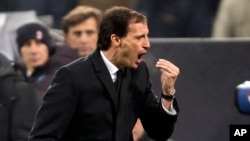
(205,88)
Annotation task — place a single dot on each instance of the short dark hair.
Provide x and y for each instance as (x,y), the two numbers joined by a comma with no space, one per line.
(116,21)
(80,14)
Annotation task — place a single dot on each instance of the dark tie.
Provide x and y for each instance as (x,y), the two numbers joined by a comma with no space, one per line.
(118,81)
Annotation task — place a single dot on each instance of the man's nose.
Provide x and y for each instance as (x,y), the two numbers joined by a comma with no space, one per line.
(83,37)
(33,47)
(146,43)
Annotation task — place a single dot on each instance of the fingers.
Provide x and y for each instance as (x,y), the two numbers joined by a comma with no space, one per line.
(167,67)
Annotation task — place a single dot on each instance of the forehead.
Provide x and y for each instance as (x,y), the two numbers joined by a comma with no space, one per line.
(89,23)
(138,28)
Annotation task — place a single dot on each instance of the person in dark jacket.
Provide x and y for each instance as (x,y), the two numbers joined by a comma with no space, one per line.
(100,97)
(40,57)
(81,27)
(17,103)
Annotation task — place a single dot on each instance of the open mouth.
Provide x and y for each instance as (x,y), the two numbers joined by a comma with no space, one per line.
(139,56)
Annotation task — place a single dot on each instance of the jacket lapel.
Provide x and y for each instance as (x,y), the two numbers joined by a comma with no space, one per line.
(104,76)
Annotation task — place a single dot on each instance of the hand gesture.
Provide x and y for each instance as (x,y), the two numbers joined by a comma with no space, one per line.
(169,74)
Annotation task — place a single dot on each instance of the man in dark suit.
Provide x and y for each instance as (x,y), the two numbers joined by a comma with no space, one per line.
(83,103)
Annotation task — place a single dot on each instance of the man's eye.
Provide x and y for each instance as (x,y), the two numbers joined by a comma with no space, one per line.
(78,33)
(90,32)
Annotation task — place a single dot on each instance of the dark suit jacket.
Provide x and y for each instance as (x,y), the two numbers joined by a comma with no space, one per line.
(82,105)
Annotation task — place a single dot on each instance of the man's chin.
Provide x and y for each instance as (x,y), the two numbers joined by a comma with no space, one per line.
(37,65)
(82,54)
(134,66)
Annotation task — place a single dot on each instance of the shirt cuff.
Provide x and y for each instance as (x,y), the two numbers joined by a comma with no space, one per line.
(172,111)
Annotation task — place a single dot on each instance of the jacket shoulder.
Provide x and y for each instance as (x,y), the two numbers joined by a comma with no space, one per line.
(6,66)
(78,63)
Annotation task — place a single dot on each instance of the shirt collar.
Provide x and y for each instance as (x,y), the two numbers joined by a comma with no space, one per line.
(111,67)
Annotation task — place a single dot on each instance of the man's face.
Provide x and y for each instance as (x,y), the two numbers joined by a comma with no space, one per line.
(134,45)
(83,36)
(34,53)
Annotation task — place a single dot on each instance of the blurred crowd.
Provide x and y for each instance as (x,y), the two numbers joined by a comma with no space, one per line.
(39,36)
(166,18)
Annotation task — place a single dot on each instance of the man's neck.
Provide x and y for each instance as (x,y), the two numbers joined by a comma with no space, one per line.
(111,56)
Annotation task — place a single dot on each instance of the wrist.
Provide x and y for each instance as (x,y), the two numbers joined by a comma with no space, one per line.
(169,96)
(170,92)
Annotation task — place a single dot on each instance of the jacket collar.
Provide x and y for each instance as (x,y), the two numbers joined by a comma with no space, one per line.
(104,76)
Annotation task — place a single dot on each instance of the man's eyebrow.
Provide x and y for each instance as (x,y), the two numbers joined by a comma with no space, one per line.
(140,36)
(90,30)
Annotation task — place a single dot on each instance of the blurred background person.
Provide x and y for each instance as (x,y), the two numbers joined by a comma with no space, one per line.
(233,19)
(80,27)
(40,57)
(17,103)
(9,22)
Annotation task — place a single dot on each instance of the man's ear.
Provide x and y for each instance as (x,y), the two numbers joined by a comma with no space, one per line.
(115,40)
